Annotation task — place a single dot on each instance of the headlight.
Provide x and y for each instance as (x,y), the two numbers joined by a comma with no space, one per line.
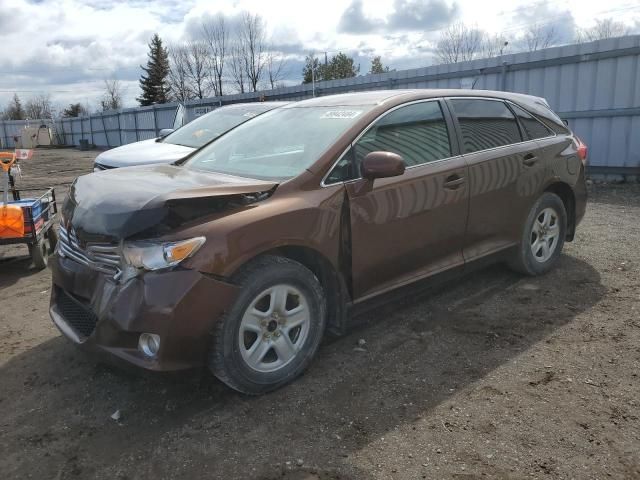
(155,256)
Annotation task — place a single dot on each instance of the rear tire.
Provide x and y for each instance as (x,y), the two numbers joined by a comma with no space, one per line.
(39,252)
(274,328)
(545,230)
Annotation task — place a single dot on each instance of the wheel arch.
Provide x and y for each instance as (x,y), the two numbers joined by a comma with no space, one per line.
(566,194)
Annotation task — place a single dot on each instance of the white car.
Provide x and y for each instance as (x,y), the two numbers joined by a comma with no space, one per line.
(175,145)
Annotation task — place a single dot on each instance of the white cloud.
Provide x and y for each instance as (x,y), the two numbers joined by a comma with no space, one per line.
(68,47)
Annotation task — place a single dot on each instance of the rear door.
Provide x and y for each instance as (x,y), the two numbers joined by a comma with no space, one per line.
(408,227)
(506,173)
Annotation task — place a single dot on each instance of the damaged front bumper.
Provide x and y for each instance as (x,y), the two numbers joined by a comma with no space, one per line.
(102,315)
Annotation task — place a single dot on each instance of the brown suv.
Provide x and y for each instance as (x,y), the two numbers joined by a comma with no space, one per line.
(242,256)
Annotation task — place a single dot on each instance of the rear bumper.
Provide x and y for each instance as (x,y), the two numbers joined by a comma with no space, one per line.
(103,316)
(580,192)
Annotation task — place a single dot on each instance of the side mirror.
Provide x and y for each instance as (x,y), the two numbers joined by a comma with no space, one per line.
(382,165)
(166,131)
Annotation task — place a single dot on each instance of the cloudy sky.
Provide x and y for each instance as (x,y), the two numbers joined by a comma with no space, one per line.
(67,48)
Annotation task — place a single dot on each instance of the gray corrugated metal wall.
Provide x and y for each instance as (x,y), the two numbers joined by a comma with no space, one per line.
(595,86)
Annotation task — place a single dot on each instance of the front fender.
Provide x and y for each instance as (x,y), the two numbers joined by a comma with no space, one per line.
(308,219)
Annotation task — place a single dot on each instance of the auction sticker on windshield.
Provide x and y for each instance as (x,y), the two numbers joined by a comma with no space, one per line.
(341,114)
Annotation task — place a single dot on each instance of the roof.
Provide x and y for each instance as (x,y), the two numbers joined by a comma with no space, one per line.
(250,106)
(377,97)
(373,97)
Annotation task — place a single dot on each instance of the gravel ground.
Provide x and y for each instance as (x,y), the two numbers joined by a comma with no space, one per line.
(492,376)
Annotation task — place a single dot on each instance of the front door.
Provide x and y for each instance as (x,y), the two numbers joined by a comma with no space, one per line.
(408,227)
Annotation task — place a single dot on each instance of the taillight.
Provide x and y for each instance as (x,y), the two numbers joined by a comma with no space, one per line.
(582,151)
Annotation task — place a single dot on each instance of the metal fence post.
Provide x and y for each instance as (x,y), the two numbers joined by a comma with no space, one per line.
(64,135)
(104,128)
(503,76)
(135,124)
(4,136)
(119,129)
(155,122)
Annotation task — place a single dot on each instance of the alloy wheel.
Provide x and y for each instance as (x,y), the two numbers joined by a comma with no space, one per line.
(545,234)
(274,328)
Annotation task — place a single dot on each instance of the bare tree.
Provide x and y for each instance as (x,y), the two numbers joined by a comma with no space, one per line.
(251,39)
(216,36)
(178,76)
(39,107)
(112,97)
(605,28)
(459,43)
(493,45)
(275,66)
(538,36)
(238,66)
(197,68)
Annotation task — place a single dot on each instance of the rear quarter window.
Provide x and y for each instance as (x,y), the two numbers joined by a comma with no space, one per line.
(532,128)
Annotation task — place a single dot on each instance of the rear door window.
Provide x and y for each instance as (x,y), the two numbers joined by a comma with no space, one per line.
(532,127)
(485,124)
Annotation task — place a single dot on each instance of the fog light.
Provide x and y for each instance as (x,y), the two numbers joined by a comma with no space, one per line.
(149,344)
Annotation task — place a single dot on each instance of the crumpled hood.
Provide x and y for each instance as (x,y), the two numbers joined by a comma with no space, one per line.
(115,204)
(145,152)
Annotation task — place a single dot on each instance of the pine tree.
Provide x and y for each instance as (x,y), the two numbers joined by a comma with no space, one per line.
(377,67)
(155,85)
(312,71)
(15,111)
(342,66)
(74,110)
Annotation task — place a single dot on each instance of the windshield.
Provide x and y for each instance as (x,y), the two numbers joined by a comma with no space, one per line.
(204,129)
(277,145)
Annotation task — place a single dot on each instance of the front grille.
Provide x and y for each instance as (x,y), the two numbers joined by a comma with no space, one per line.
(103,257)
(79,316)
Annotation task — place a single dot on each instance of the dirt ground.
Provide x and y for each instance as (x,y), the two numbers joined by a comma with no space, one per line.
(493,376)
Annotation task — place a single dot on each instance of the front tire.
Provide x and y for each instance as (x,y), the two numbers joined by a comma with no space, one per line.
(543,237)
(274,328)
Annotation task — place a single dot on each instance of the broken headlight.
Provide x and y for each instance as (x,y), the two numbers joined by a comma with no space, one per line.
(156,256)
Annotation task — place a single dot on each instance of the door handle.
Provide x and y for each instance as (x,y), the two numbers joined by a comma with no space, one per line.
(453,181)
(530,159)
